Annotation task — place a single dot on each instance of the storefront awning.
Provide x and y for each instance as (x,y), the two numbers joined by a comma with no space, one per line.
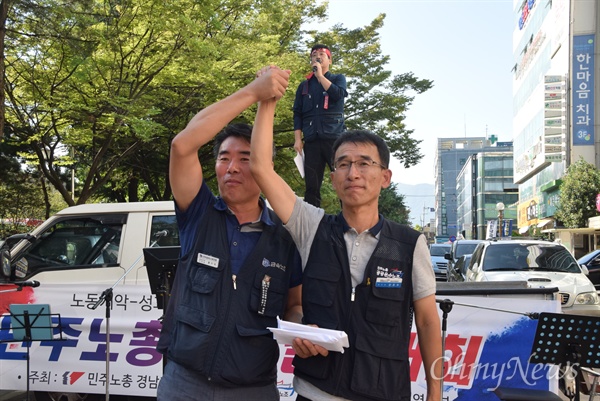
(523,229)
(544,222)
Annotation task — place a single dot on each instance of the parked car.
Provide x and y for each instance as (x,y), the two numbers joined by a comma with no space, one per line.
(459,270)
(459,248)
(438,262)
(542,264)
(592,262)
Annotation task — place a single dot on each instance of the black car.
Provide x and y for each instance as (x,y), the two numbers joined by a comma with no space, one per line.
(592,262)
(459,269)
(459,248)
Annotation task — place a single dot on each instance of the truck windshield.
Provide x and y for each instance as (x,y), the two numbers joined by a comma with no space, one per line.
(73,242)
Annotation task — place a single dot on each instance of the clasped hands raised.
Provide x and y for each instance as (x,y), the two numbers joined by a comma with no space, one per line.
(269,86)
(271,83)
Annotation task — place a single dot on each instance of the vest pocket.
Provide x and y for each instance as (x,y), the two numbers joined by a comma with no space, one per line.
(314,366)
(252,356)
(381,368)
(320,283)
(332,124)
(307,103)
(204,278)
(319,289)
(195,318)
(385,306)
(268,295)
(189,345)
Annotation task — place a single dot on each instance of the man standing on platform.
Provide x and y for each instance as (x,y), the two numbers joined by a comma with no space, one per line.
(319,115)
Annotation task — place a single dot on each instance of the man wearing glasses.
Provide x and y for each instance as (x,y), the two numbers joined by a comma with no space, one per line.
(319,115)
(363,274)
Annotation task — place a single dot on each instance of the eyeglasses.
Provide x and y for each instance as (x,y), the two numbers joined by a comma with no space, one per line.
(361,165)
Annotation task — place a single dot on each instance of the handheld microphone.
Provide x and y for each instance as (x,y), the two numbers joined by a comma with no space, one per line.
(162,233)
(32,283)
(318,60)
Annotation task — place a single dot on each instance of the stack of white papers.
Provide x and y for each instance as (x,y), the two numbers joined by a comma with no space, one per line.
(332,340)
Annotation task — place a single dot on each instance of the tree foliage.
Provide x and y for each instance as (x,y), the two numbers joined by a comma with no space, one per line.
(577,198)
(99,88)
(377,100)
(391,205)
(23,203)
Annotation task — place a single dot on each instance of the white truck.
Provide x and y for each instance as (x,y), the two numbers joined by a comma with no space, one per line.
(69,263)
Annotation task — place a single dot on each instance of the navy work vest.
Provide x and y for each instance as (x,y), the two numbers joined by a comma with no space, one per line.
(322,117)
(378,321)
(221,332)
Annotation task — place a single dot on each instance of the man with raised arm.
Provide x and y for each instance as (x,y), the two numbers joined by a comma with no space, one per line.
(239,269)
(363,274)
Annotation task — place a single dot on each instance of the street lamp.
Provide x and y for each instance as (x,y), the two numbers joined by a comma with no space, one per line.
(500,209)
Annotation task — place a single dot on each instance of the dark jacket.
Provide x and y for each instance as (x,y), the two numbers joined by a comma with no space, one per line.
(319,113)
(219,331)
(377,319)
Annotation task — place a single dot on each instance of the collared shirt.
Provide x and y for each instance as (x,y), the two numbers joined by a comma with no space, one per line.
(360,247)
(303,224)
(242,238)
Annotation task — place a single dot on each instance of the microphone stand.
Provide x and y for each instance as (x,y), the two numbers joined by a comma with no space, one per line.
(106,297)
(446,307)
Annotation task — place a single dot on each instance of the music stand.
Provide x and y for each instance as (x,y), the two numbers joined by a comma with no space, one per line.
(161,264)
(30,322)
(564,339)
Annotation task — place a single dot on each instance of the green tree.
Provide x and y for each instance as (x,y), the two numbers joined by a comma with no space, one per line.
(99,88)
(376,101)
(102,87)
(577,198)
(391,205)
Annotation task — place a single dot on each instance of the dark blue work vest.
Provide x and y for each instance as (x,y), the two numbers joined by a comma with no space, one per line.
(321,114)
(378,321)
(220,331)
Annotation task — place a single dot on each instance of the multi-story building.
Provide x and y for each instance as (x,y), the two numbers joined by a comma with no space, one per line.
(451,156)
(485,180)
(555,107)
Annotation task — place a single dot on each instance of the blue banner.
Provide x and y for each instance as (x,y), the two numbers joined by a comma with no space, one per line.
(583,89)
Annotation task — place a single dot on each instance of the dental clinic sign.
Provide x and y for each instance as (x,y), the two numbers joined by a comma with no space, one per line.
(583,89)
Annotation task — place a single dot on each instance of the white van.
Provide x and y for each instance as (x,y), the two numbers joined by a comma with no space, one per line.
(68,263)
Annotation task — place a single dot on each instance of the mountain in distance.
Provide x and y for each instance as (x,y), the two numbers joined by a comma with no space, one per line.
(420,199)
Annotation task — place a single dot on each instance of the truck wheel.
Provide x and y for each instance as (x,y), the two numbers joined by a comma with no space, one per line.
(43,396)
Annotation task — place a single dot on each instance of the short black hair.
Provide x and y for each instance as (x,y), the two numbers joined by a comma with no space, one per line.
(320,46)
(237,130)
(364,136)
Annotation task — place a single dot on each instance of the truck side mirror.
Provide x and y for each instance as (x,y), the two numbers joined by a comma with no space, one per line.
(5,263)
(447,256)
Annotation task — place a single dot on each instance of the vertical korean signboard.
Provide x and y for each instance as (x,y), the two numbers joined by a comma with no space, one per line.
(583,89)
(555,92)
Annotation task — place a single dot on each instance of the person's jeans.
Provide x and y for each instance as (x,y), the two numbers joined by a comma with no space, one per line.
(181,384)
(317,155)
